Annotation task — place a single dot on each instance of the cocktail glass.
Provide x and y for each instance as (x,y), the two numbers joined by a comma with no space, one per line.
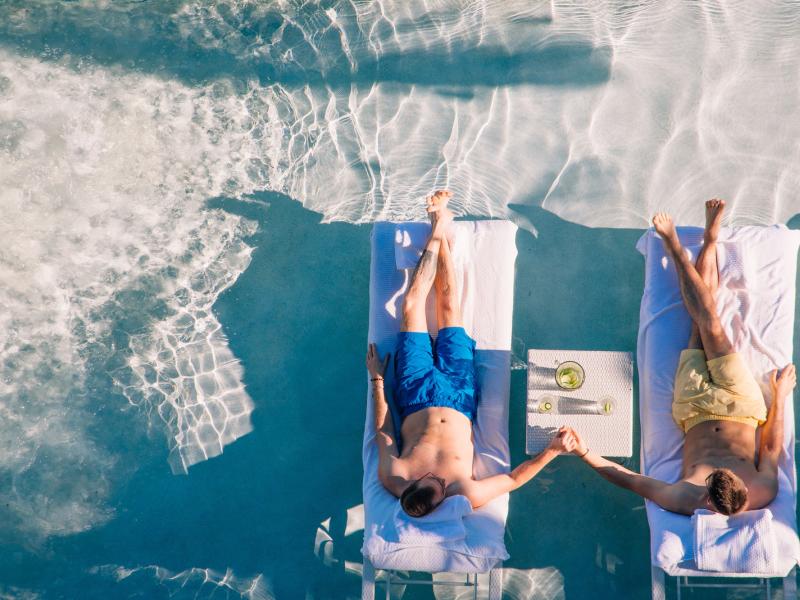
(569,375)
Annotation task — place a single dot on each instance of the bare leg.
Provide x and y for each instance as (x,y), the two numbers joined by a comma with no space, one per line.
(448,310)
(707,260)
(414,318)
(695,341)
(706,264)
(697,296)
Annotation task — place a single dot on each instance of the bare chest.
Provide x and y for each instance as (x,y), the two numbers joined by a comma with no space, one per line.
(719,444)
(438,441)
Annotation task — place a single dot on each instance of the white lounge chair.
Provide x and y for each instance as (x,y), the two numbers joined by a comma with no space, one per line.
(484,255)
(757,303)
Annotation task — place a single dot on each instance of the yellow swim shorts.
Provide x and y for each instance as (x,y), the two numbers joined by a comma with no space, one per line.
(721,389)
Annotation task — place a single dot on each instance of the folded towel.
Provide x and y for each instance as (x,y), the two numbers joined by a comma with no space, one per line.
(743,543)
(443,525)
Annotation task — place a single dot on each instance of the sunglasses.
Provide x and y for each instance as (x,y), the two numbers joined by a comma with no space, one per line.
(438,480)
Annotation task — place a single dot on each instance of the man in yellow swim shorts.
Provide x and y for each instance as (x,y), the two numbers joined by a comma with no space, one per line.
(717,403)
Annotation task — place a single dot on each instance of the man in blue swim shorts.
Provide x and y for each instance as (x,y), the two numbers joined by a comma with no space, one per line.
(436,393)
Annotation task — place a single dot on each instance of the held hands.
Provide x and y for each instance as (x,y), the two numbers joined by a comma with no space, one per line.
(783,385)
(564,441)
(375,365)
(580,446)
(568,440)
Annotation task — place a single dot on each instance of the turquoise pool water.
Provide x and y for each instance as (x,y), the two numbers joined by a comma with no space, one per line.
(188,188)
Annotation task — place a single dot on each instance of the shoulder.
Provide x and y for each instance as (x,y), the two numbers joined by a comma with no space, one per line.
(399,466)
(461,487)
(394,484)
(762,489)
(481,491)
(466,487)
(682,497)
(394,473)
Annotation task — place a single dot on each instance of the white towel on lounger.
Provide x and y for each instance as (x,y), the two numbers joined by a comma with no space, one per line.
(442,526)
(483,253)
(743,543)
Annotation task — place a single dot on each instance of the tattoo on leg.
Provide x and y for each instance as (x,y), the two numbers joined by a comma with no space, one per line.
(425,270)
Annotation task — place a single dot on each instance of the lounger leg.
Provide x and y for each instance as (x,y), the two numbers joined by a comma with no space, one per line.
(368,581)
(496,583)
(790,584)
(657,583)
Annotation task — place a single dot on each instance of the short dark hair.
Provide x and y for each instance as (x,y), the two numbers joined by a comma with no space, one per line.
(726,491)
(417,500)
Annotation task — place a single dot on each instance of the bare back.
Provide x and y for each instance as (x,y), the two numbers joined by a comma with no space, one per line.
(437,440)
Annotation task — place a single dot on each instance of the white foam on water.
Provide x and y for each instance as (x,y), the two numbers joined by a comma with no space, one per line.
(109,267)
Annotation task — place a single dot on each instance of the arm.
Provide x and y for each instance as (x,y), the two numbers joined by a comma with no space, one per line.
(772,434)
(679,497)
(388,469)
(482,491)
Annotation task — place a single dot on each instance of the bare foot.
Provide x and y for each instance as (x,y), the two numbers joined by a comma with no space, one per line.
(714,209)
(441,217)
(666,229)
(438,200)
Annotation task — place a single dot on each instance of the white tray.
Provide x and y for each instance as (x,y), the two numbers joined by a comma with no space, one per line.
(607,375)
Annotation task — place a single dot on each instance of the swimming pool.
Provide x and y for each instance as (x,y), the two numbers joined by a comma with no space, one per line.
(188,188)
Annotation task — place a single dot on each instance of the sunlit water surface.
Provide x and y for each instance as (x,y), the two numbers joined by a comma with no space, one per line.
(137,142)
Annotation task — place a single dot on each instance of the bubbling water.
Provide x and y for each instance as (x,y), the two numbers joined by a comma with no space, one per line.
(109,270)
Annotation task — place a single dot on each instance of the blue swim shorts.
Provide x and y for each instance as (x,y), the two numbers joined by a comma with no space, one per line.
(440,374)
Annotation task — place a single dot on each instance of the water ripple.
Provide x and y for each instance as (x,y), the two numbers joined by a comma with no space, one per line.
(118,121)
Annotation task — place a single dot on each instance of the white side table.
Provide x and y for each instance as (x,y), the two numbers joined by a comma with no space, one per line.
(607,376)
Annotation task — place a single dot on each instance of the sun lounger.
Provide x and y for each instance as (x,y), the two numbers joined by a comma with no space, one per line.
(757,303)
(484,254)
